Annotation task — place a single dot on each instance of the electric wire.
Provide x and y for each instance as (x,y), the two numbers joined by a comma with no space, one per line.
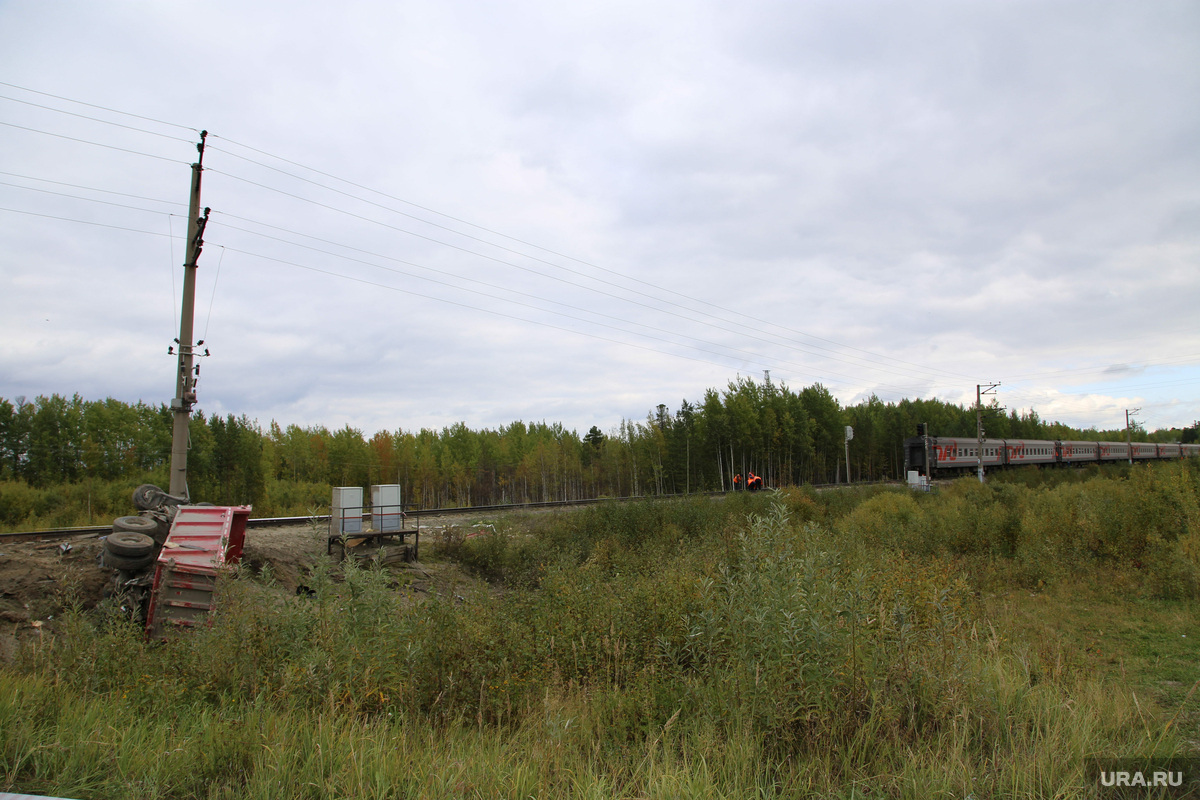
(869,365)
(170,236)
(84,222)
(492,286)
(1181,360)
(97,119)
(79,197)
(217,278)
(101,108)
(745,355)
(739,317)
(740,353)
(545,275)
(94,144)
(1025,378)
(92,188)
(171,269)
(1122,387)
(493,312)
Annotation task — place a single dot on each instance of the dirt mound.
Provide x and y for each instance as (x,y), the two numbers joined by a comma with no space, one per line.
(38,579)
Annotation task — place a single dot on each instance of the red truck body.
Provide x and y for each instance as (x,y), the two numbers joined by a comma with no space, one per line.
(203,539)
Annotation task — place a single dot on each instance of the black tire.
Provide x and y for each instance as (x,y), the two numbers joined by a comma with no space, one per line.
(148,496)
(127,563)
(128,543)
(144,525)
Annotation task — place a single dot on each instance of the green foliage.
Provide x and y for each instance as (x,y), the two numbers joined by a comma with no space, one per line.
(88,502)
(787,644)
(1146,525)
(789,438)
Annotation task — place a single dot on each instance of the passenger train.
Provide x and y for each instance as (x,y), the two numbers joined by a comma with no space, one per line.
(934,456)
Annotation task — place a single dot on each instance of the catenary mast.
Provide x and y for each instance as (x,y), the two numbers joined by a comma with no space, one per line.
(185,380)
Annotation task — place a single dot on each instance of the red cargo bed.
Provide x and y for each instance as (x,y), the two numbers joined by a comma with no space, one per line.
(201,541)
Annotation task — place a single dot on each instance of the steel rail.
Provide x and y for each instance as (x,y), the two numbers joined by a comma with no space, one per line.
(274,522)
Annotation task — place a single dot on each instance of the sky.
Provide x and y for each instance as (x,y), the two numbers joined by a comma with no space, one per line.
(425,213)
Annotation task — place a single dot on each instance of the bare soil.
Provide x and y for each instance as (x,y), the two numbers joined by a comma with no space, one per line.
(38,579)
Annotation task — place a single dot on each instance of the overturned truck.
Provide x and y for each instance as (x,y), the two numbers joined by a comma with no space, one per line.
(168,558)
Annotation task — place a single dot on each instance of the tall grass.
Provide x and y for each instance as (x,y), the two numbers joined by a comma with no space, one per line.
(1146,524)
(27,508)
(782,645)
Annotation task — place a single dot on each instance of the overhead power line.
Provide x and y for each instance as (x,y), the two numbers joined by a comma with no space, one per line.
(740,318)
(93,143)
(83,222)
(747,327)
(545,299)
(97,119)
(80,197)
(99,107)
(493,312)
(738,332)
(733,353)
(92,188)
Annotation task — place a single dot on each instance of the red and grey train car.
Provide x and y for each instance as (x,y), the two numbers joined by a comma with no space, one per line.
(932,456)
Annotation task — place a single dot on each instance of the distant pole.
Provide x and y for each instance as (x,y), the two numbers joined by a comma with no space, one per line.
(185,383)
(849,436)
(980,391)
(1128,433)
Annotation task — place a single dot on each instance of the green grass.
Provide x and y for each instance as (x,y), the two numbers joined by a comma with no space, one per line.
(856,644)
(1149,647)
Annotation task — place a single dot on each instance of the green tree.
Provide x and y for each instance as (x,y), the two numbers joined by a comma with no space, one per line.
(16,421)
(55,441)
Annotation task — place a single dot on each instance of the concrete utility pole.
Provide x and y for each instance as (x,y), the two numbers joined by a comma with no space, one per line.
(185,379)
(980,391)
(1128,434)
(849,436)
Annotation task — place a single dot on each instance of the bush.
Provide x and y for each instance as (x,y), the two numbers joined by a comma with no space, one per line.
(767,654)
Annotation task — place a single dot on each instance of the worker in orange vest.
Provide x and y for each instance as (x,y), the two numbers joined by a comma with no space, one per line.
(737,479)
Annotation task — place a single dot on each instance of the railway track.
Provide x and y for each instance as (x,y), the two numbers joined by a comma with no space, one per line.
(277,522)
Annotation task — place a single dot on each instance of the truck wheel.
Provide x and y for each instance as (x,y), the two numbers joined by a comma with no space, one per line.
(148,496)
(128,543)
(127,563)
(136,524)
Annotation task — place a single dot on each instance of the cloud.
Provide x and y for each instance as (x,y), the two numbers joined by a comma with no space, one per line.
(636,203)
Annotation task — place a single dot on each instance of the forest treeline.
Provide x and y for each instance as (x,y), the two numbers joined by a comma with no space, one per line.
(788,437)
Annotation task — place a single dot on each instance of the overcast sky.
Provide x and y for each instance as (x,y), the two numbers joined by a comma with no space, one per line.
(431,212)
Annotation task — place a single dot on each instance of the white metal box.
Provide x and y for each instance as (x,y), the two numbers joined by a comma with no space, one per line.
(387,513)
(346,516)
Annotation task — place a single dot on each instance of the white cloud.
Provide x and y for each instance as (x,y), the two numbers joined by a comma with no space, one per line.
(969,192)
